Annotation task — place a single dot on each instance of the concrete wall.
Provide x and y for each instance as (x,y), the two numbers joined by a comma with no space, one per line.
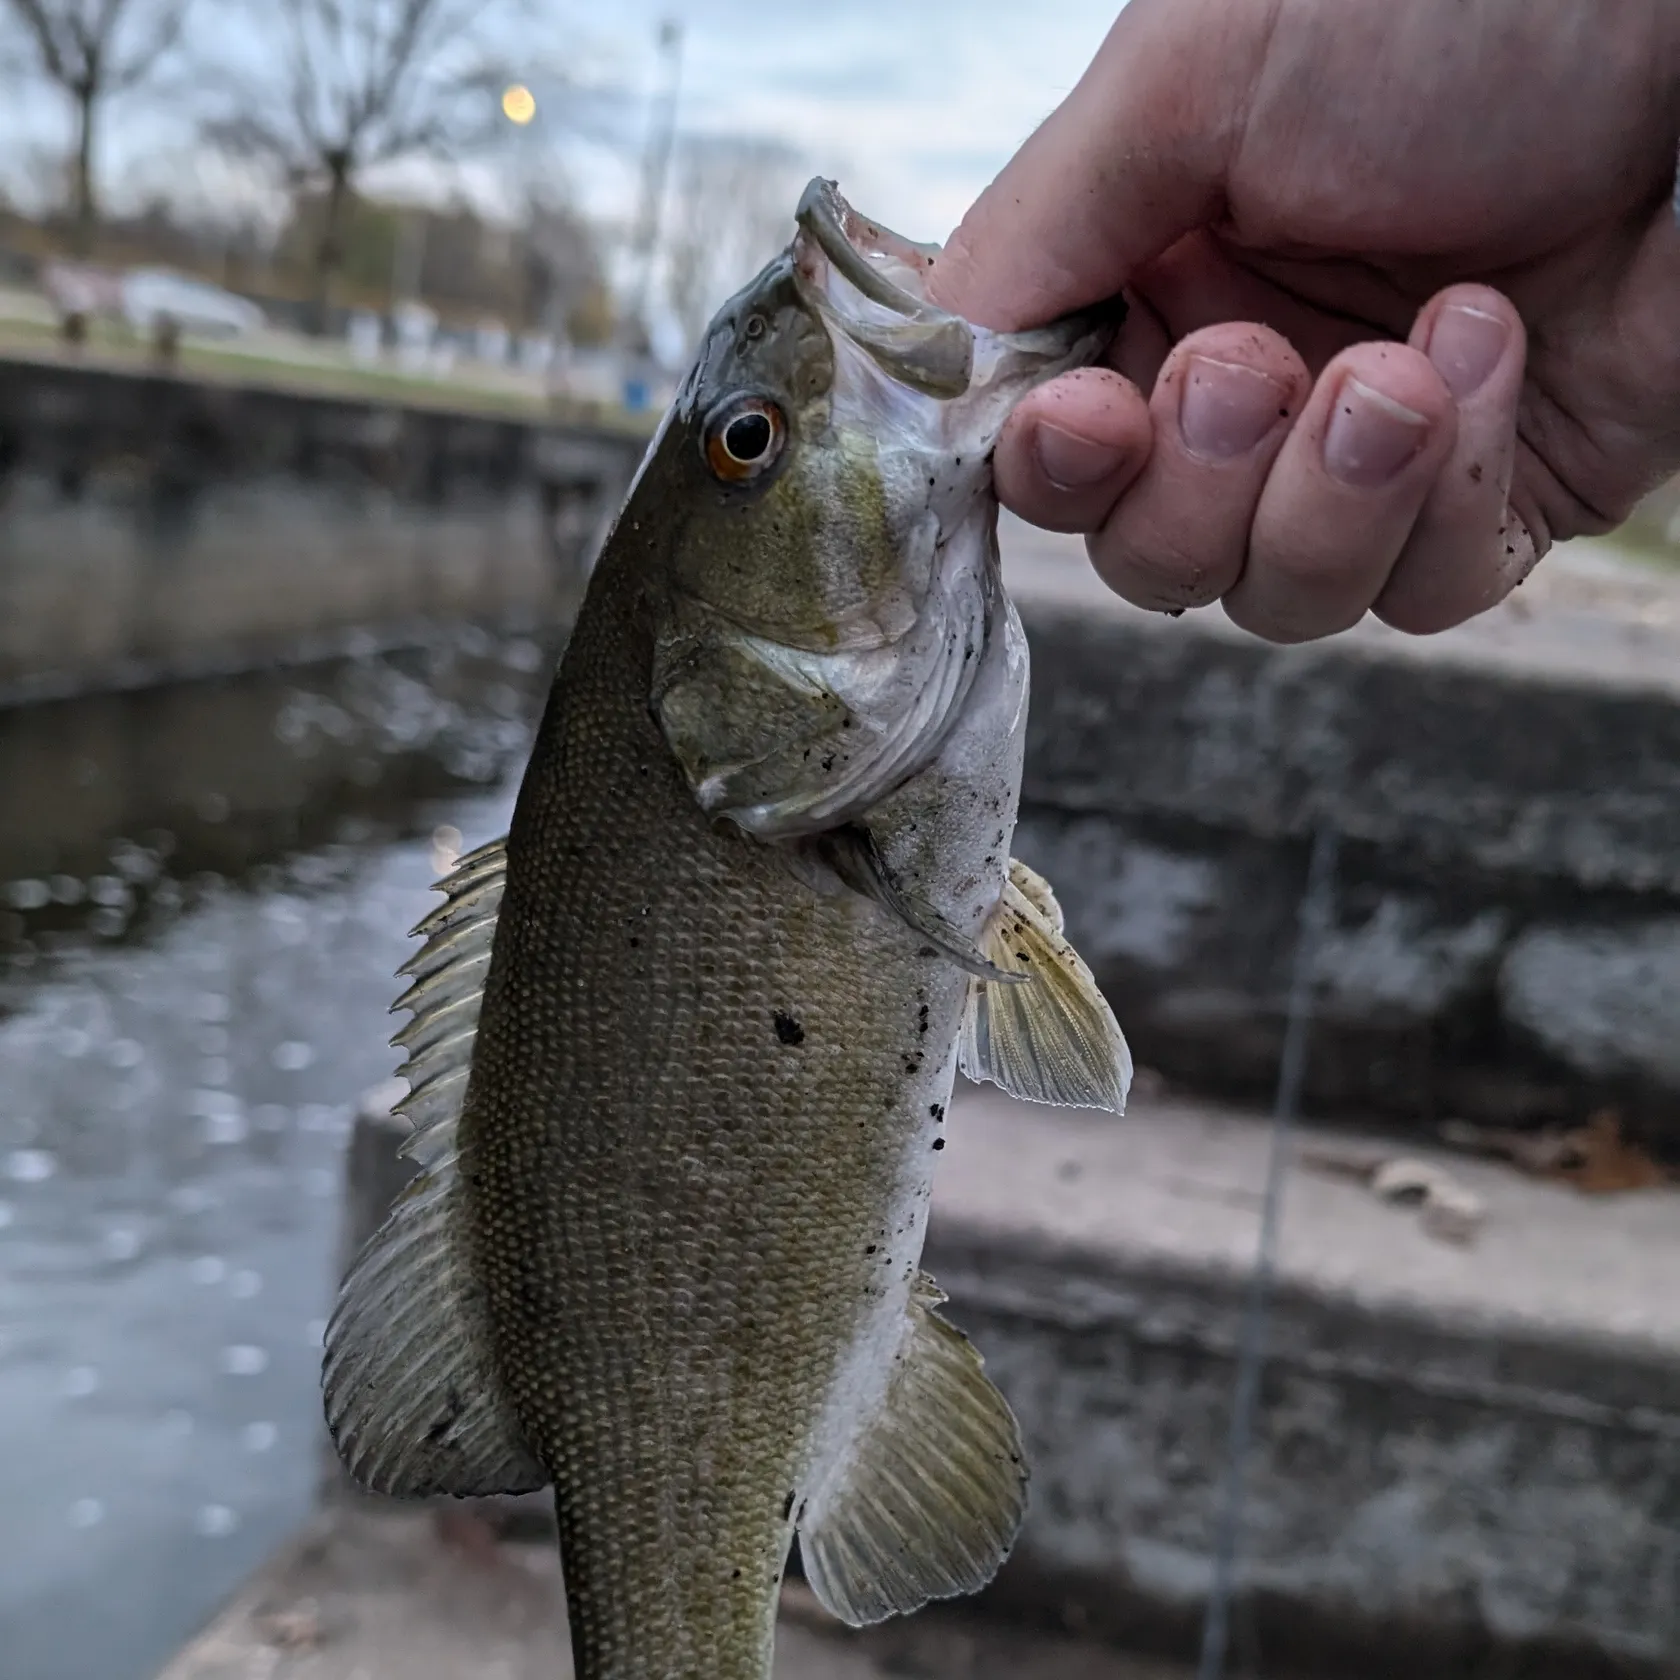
(151,526)
(1507,938)
(1507,933)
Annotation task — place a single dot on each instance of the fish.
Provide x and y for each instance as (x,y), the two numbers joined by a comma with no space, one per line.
(682,1045)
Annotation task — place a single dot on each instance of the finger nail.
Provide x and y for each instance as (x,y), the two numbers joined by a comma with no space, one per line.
(1225,409)
(1370,437)
(1465,345)
(1070,461)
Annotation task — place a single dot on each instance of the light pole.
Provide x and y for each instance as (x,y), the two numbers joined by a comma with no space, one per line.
(656,164)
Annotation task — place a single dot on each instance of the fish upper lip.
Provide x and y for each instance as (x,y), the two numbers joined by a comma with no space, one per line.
(912,339)
(848,240)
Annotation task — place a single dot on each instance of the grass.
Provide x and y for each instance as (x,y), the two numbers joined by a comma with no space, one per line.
(113,345)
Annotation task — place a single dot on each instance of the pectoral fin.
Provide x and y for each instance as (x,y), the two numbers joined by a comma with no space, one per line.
(928,1502)
(1054,1040)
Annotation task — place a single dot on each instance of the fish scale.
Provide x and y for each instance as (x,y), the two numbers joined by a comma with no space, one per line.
(684,1043)
(706,1236)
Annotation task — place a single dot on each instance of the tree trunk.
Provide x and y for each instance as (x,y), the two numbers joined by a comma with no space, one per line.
(84,202)
(329,253)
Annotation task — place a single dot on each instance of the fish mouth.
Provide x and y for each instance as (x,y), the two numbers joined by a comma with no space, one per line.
(871,284)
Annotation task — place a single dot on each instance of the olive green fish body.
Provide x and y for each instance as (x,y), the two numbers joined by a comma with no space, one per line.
(681,1048)
(729,1087)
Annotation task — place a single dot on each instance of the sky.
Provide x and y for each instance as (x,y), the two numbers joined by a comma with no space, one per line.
(912,104)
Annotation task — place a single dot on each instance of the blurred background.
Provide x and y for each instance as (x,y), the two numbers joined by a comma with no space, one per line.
(330,334)
(518,193)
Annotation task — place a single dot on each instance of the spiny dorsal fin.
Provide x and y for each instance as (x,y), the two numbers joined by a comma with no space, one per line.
(1054,1040)
(928,1502)
(413,1400)
(448,973)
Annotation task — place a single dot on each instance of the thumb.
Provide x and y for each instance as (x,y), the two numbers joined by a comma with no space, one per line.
(1134,158)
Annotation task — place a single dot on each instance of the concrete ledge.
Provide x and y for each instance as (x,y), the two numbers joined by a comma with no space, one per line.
(1467,1459)
(366,1597)
(1507,943)
(160,525)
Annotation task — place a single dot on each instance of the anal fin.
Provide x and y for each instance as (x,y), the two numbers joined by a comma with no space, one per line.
(929,1500)
(1054,1040)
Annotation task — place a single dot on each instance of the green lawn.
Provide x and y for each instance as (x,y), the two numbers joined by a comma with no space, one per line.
(113,345)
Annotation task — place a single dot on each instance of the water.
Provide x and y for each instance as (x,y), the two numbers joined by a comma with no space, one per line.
(205,895)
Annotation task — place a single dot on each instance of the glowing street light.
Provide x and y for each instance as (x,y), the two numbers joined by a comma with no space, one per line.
(519,104)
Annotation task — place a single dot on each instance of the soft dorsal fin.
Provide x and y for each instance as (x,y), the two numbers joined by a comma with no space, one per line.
(1053,1040)
(413,1401)
(929,1500)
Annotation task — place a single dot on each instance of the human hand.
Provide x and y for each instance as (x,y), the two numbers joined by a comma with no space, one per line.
(1405,287)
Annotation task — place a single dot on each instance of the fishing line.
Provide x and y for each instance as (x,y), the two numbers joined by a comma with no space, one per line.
(1314,919)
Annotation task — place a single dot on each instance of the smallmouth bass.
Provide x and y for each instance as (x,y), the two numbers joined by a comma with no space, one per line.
(682,1045)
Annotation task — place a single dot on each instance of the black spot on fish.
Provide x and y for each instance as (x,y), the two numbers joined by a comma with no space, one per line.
(939,1143)
(937,1110)
(788,1029)
(870,1249)
(634,940)
(927,951)
(787,1505)
(735,1574)
(922,1019)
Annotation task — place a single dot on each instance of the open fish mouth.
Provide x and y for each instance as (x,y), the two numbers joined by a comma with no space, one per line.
(871,284)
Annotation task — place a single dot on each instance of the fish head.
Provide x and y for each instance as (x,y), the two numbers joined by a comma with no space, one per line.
(825,474)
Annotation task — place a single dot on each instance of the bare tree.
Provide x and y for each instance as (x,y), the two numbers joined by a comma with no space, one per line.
(731,210)
(564,267)
(354,84)
(94,51)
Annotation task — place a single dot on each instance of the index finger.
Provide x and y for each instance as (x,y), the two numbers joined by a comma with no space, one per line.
(1132,159)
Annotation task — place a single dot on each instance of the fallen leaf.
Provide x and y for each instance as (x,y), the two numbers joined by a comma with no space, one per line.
(1603,1162)
(1595,1158)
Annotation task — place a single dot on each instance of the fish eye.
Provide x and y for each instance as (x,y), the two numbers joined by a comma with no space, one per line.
(755,327)
(744,438)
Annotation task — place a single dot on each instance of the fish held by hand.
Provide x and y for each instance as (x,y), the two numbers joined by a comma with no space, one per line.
(683,1045)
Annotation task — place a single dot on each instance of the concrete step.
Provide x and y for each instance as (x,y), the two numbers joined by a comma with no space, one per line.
(1467,1454)
(368,1595)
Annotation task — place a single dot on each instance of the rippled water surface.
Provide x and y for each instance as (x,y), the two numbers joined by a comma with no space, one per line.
(203,897)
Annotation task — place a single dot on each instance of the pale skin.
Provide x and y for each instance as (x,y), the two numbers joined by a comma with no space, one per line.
(1405,287)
